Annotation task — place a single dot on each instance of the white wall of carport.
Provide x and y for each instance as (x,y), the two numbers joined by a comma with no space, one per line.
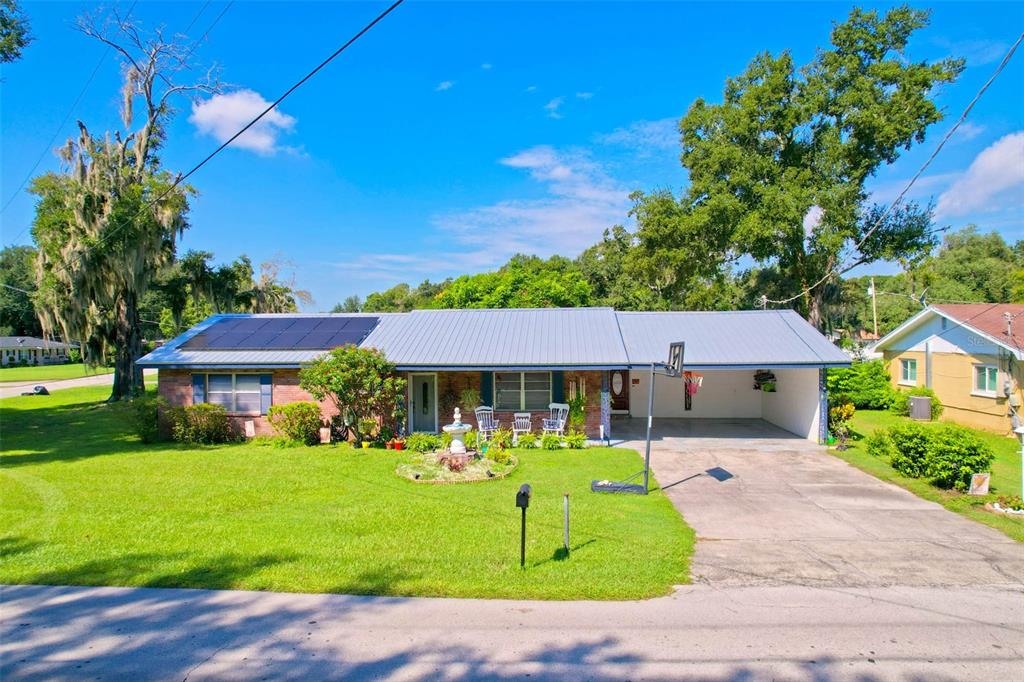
(724,394)
(794,404)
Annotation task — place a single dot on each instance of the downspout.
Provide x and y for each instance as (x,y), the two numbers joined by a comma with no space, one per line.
(928,364)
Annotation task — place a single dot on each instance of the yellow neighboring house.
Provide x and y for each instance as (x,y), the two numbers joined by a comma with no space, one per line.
(969,354)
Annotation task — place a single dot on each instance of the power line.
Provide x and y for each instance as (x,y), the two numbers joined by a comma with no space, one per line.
(56,133)
(834,271)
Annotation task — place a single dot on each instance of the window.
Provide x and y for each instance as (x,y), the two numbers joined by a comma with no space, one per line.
(908,372)
(985,377)
(522,390)
(236,393)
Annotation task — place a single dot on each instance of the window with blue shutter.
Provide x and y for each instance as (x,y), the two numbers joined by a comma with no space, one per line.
(266,392)
(557,387)
(198,389)
(487,388)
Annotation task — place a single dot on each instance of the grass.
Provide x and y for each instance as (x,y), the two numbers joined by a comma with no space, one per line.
(50,372)
(83,502)
(1006,472)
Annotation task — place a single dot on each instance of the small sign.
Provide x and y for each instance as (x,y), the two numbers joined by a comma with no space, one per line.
(979,484)
(325,435)
(250,428)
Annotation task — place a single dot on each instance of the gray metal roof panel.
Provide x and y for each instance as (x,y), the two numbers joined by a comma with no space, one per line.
(741,337)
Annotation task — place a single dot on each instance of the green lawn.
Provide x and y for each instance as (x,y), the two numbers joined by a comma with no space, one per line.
(82,501)
(50,372)
(1005,473)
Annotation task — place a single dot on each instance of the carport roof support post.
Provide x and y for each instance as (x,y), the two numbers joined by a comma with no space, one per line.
(650,419)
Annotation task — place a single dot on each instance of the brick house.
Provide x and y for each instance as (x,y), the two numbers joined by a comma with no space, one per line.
(514,360)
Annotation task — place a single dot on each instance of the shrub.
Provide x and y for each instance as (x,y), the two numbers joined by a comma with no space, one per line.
(911,444)
(502,438)
(202,423)
(423,442)
(1011,502)
(878,444)
(550,442)
(865,384)
(839,417)
(576,440)
(955,454)
(367,427)
(527,440)
(146,417)
(901,401)
(471,439)
(299,421)
(499,455)
(470,399)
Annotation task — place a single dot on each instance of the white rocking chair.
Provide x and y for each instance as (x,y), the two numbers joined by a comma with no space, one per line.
(521,423)
(556,423)
(485,422)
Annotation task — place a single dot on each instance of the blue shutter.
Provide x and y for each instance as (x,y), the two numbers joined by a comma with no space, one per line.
(487,388)
(198,389)
(557,387)
(266,392)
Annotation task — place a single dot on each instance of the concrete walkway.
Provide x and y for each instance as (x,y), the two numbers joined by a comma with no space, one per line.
(746,633)
(773,509)
(12,389)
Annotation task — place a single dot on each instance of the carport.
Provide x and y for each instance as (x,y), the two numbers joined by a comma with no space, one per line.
(730,352)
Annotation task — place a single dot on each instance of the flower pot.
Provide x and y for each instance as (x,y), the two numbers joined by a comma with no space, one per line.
(399,446)
(366,445)
(389,446)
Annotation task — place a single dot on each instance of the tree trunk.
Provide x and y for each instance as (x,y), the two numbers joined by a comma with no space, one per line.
(815,308)
(128,381)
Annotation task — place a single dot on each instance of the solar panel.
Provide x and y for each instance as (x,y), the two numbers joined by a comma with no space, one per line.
(283,333)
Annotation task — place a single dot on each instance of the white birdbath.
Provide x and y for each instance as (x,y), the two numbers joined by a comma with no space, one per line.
(457,430)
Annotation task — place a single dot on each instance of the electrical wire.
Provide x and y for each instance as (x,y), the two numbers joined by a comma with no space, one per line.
(963,117)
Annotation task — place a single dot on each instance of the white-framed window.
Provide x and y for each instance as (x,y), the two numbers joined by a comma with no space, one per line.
(522,390)
(236,393)
(908,371)
(985,379)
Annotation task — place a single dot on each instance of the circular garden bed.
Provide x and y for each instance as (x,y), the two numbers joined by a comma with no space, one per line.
(442,467)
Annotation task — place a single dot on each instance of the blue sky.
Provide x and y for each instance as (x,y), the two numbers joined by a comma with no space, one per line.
(456,134)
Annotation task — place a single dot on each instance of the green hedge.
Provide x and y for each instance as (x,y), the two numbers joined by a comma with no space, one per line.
(901,401)
(299,421)
(204,423)
(865,384)
(947,455)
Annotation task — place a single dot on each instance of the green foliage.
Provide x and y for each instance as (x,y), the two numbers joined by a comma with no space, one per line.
(145,413)
(523,282)
(299,421)
(526,440)
(901,401)
(194,312)
(352,304)
(470,399)
(502,438)
(367,427)
(879,445)
(201,424)
(577,411)
(359,381)
(839,416)
(550,442)
(911,444)
(865,384)
(423,442)
(955,453)
(401,298)
(575,440)
(499,455)
(15,32)
(1011,502)
(17,315)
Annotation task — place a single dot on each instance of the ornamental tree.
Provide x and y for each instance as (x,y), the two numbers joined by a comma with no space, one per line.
(360,382)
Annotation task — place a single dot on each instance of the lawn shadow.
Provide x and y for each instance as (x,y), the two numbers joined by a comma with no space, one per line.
(11,546)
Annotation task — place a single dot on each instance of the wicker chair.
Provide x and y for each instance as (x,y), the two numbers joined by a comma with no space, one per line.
(486,424)
(556,423)
(521,423)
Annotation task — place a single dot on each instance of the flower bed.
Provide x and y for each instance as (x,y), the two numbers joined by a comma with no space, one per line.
(428,467)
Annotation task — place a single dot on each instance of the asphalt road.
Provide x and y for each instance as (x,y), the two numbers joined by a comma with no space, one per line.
(736,633)
(12,389)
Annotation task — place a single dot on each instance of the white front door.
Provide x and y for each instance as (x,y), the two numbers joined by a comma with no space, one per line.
(423,402)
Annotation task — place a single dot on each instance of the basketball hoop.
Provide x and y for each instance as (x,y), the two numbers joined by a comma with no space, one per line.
(693,382)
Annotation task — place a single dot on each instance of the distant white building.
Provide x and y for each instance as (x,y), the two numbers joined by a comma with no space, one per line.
(35,351)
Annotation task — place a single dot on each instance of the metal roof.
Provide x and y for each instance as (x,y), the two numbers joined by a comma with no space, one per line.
(549,338)
(735,338)
(33,342)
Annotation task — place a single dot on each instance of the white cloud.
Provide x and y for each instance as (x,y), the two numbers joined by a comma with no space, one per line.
(553,106)
(225,114)
(995,171)
(645,137)
(967,131)
(486,66)
(584,95)
(976,52)
(530,88)
(444,85)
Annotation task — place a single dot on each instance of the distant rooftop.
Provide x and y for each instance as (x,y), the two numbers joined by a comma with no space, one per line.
(33,342)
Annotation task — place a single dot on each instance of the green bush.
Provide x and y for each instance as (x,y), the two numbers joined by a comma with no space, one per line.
(865,384)
(498,455)
(576,440)
(955,454)
(901,401)
(299,421)
(502,438)
(423,442)
(204,423)
(146,417)
(878,444)
(551,442)
(527,440)
(911,445)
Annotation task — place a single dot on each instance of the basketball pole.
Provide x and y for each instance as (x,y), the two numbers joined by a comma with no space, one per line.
(650,419)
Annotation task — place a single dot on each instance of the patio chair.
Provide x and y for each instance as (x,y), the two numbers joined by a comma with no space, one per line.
(556,423)
(521,423)
(485,422)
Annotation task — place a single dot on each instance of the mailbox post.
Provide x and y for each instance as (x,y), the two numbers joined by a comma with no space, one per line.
(523,501)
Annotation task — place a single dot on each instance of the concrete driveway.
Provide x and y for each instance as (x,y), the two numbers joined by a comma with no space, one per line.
(770,508)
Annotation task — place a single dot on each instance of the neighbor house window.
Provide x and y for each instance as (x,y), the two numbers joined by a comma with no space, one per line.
(985,377)
(908,372)
(236,393)
(522,390)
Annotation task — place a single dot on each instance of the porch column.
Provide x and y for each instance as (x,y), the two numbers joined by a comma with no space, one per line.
(606,403)
(822,407)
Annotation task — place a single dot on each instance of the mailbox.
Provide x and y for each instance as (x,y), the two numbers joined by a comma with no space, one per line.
(523,496)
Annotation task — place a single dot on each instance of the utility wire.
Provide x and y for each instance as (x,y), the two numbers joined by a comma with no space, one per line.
(835,271)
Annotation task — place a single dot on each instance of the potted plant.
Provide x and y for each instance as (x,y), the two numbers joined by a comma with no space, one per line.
(396,443)
(366,428)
